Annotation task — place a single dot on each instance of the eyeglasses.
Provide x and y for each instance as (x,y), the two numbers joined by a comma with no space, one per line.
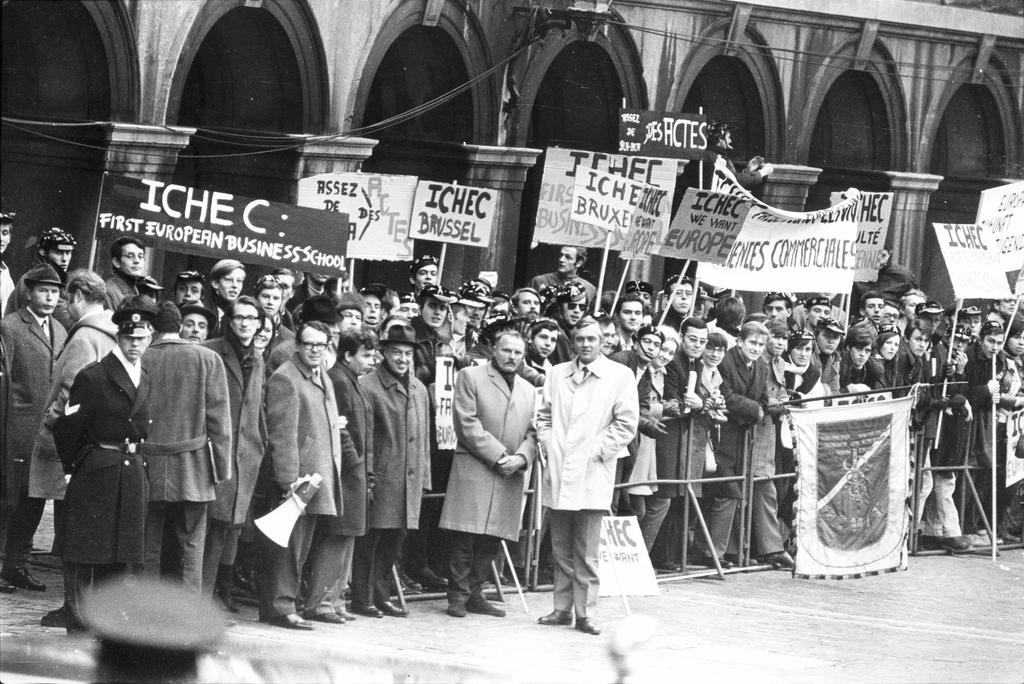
(314,346)
(245,319)
(576,306)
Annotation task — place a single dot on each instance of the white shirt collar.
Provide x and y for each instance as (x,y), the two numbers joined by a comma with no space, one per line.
(40,320)
(134,370)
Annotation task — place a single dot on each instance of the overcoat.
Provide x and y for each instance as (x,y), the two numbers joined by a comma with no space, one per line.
(303,433)
(401,449)
(583,428)
(490,420)
(118,288)
(89,340)
(690,429)
(746,395)
(107,495)
(189,446)
(247,435)
(354,408)
(31,358)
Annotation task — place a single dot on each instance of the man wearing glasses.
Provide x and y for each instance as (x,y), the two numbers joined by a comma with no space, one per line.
(191,432)
(304,438)
(128,262)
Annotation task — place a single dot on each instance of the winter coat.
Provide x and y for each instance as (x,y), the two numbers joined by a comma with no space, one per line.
(490,420)
(354,408)
(690,431)
(746,395)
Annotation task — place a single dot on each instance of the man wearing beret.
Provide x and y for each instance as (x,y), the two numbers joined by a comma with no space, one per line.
(98,439)
(32,340)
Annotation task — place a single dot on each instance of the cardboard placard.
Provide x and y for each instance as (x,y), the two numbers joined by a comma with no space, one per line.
(972,261)
(453,213)
(444,398)
(705,226)
(662,134)
(554,224)
(623,567)
(1014,431)
(378,208)
(1001,212)
(223,225)
(872,228)
(630,208)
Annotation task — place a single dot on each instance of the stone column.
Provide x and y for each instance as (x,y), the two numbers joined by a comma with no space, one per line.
(912,193)
(787,187)
(502,169)
(336,155)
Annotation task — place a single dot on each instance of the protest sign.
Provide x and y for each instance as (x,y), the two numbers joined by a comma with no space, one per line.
(705,226)
(623,566)
(554,223)
(378,209)
(631,208)
(872,228)
(1014,431)
(444,397)
(800,252)
(1001,212)
(662,134)
(222,225)
(972,261)
(453,213)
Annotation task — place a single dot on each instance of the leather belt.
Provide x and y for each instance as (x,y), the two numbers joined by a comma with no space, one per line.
(125,447)
(180,447)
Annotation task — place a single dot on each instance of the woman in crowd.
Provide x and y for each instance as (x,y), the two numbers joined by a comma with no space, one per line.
(886,350)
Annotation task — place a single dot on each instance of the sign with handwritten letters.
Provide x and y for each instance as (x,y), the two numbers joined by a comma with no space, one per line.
(378,208)
(629,208)
(623,567)
(662,134)
(1001,212)
(705,226)
(453,213)
(1014,432)
(444,399)
(872,228)
(554,223)
(218,224)
(972,260)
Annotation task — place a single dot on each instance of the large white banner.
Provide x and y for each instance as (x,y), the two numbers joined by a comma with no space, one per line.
(378,208)
(554,223)
(1001,212)
(872,227)
(852,487)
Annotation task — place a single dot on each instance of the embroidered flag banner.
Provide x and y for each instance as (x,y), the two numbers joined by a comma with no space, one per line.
(852,488)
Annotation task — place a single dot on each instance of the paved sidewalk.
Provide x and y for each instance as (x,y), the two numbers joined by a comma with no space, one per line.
(949,619)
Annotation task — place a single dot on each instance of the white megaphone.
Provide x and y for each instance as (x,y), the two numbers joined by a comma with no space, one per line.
(278,523)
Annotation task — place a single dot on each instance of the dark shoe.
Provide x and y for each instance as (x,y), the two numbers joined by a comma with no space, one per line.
(958,543)
(1009,536)
(410,587)
(222,588)
(556,617)
(330,618)
(21,578)
(928,542)
(290,621)
(587,626)
(6,587)
(456,609)
(482,606)
(391,610)
(365,609)
(55,618)
(430,580)
(779,559)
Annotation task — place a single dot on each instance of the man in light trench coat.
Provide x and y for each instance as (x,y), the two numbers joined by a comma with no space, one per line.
(483,504)
(588,415)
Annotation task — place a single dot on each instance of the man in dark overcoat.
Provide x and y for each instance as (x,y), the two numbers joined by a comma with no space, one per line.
(357,356)
(304,439)
(33,339)
(98,439)
(188,450)
(493,410)
(245,381)
(401,461)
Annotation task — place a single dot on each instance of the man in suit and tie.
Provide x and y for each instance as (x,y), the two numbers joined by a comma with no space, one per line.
(483,505)
(303,439)
(588,415)
(188,450)
(32,340)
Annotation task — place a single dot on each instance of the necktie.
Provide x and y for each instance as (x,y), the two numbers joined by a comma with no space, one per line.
(316,375)
(46,328)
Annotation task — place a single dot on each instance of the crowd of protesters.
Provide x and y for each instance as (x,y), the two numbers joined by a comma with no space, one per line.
(162,422)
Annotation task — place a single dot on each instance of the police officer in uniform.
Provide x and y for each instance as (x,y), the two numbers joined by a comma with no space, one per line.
(98,441)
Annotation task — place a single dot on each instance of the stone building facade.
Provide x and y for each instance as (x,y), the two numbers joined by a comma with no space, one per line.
(923,98)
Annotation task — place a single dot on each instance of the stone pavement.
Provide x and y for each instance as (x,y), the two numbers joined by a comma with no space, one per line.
(948,619)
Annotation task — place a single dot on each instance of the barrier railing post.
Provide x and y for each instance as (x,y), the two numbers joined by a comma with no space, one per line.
(746,495)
